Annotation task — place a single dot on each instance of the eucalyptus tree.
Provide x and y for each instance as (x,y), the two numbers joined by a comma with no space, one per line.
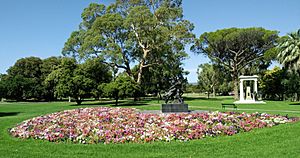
(128,32)
(236,48)
(209,78)
(289,51)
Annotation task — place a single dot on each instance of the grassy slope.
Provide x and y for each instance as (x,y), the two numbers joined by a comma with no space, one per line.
(279,141)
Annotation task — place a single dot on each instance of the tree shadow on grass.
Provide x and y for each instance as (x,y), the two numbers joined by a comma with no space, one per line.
(132,104)
(112,103)
(298,103)
(99,103)
(4,114)
(205,98)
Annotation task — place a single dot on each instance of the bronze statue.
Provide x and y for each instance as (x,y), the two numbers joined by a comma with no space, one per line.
(174,92)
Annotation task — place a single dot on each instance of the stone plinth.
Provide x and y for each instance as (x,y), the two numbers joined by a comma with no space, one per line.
(174,108)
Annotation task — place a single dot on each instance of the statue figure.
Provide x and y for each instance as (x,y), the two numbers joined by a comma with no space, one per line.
(174,92)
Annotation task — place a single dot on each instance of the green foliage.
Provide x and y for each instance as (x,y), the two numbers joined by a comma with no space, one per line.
(62,77)
(271,84)
(291,83)
(129,32)
(191,88)
(122,87)
(289,51)
(3,90)
(78,80)
(238,49)
(210,78)
(280,84)
(23,80)
(157,79)
(49,65)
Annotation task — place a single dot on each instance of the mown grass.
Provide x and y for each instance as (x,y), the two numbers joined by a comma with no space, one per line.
(279,141)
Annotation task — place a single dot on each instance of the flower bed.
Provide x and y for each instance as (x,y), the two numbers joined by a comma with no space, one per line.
(120,125)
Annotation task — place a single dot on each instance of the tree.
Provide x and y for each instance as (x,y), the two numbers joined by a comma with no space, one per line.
(24,79)
(291,83)
(19,88)
(122,87)
(97,72)
(236,48)
(289,51)
(61,78)
(128,32)
(208,78)
(271,84)
(49,65)
(157,79)
(78,80)
(3,90)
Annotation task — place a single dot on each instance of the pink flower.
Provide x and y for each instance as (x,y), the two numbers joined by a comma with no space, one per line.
(121,125)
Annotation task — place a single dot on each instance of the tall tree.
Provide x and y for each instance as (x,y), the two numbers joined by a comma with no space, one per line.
(62,78)
(158,78)
(208,78)
(236,48)
(132,31)
(78,80)
(289,51)
(49,65)
(24,79)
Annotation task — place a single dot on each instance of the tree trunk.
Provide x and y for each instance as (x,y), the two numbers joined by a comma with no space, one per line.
(78,101)
(235,84)
(207,94)
(214,91)
(139,79)
(142,64)
(116,104)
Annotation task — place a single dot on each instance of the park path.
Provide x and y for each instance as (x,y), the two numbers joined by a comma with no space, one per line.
(240,109)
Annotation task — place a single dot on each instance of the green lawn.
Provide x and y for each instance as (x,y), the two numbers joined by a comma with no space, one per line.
(278,141)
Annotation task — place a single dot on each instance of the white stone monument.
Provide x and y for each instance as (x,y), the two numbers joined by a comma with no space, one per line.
(249,96)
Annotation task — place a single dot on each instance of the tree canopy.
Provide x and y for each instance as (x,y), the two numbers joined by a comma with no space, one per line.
(122,87)
(236,48)
(289,51)
(78,80)
(130,32)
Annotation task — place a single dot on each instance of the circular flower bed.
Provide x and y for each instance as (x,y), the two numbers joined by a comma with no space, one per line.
(120,125)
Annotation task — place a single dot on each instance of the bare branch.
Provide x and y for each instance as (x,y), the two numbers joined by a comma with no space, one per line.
(137,36)
(148,65)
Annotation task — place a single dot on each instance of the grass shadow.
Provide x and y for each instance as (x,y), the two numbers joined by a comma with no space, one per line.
(205,98)
(4,114)
(298,103)
(112,103)
(98,103)
(133,104)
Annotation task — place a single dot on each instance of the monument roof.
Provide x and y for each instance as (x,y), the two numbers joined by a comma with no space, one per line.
(248,77)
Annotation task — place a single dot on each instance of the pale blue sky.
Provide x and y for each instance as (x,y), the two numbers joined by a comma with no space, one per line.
(40,27)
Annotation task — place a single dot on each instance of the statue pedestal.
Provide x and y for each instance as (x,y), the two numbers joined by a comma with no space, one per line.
(174,108)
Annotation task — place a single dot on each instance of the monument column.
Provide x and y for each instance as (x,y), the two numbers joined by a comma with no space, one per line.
(255,85)
(241,90)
